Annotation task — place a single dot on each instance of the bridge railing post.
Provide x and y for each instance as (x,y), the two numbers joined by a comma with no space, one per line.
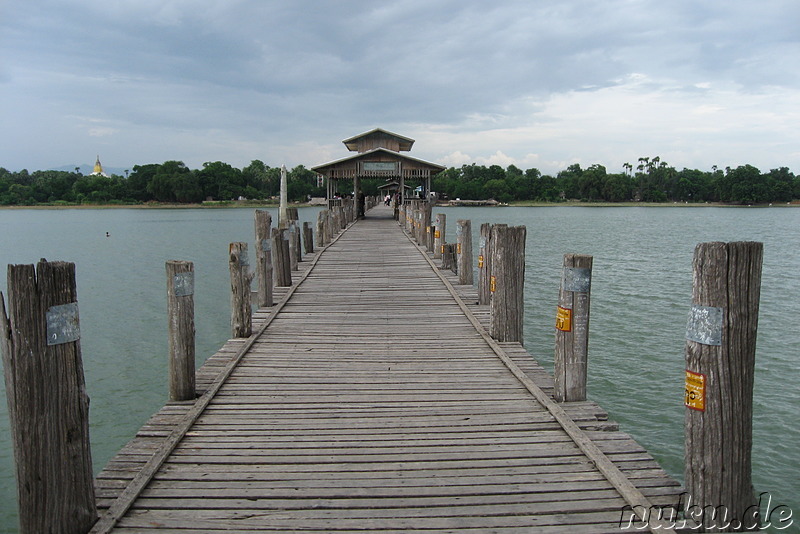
(483,265)
(439,235)
(508,282)
(263,224)
(572,329)
(241,308)
(180,316)
(48,406)
(429,228)
(449,257)
(280,258)
(328,227)
(319,238)
(294,252)
(464,251)
(308,238)
(720,363)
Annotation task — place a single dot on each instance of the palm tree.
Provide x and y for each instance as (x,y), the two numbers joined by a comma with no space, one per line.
(628,168)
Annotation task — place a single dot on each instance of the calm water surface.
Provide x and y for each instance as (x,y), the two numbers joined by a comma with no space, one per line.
(641,293)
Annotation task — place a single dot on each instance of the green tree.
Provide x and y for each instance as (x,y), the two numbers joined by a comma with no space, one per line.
(221,181)
(162,184)
(616,188)
(568,180)
(781,184)
(138,181)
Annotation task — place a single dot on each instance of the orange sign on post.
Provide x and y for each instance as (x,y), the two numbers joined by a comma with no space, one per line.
(564,319)
(695,391)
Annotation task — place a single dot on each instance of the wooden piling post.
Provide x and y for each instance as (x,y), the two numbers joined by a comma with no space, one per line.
(328,227)
(572,329)
(483,265)
(280,258)
(308,238)
(320,237)
(294,252)
(47,402)
(439,235)
(720,362)
(241,309)
(180,316)
(508,281)
(464,251)
(263,224)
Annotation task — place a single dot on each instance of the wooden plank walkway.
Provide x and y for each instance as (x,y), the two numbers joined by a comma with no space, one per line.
(373,401)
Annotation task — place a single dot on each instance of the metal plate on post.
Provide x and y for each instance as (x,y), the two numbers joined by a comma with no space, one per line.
(244,261)
(62,324)
(705,325)
(183,283)
(266,245)
(577,279)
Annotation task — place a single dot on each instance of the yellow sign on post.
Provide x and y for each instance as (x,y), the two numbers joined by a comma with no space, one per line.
(695,391)
(564,319)
(480,261)
(436,234)
(492,284)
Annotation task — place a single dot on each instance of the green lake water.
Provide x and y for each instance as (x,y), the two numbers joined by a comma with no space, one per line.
(641,294)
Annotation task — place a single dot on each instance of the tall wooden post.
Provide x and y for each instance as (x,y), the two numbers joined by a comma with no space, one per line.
(294,252)
(320,237)
(439,235)
(720,361)
(464,251)
(180,315)
(308,238)
(449,260)
(328,227)
(430,230)
(241,309)
(263,223)
(572,329)
(508,281)
(47,402)
(280,258)
(483,267)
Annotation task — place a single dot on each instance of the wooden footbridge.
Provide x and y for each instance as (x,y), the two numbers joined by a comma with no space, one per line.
(371,398)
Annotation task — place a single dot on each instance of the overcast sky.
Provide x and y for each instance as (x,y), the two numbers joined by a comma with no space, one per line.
(533,83)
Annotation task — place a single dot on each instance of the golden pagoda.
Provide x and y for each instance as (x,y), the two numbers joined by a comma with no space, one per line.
(98,169)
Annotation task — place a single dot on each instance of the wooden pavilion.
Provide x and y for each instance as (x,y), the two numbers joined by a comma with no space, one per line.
(378,156)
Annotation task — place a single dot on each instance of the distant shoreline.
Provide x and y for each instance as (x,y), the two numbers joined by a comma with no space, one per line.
(513,204)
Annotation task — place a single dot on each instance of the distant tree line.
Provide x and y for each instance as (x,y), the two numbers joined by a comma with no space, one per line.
(651,180)
(170,181)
